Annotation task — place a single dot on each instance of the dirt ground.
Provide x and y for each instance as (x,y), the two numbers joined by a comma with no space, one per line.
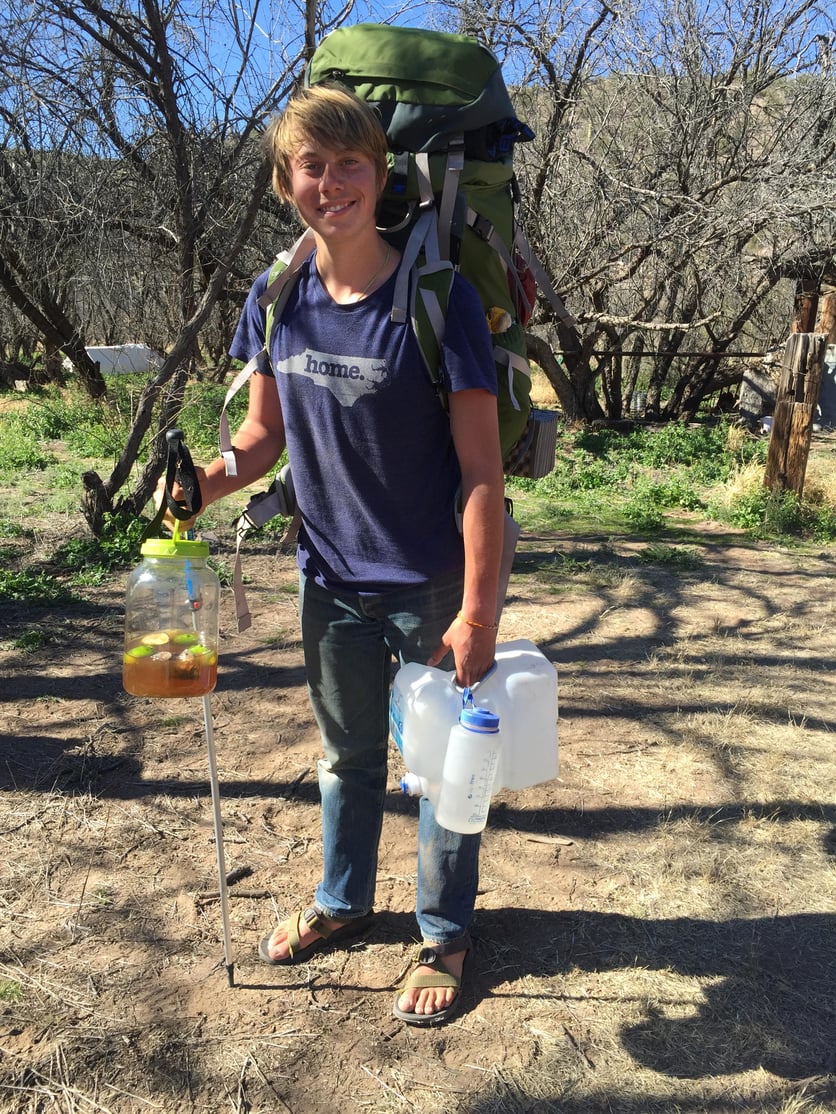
(656,930)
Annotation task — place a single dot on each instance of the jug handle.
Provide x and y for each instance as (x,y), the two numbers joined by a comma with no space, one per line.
(472,688)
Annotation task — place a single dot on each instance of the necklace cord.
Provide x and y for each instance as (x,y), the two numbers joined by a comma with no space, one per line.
(374,277)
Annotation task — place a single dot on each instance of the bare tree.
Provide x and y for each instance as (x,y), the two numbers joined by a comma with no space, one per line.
(679,175)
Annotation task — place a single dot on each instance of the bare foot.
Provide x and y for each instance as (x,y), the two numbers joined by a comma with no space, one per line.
(278,947)
(429,1000)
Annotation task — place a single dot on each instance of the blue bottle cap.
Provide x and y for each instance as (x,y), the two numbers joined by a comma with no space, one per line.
(479,719)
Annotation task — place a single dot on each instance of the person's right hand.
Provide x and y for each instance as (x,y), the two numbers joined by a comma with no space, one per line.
(168,518)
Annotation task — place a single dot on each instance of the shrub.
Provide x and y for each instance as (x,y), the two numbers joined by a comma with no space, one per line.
(20,451)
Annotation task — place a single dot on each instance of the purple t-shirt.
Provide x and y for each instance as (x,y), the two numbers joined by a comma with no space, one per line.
(374,466)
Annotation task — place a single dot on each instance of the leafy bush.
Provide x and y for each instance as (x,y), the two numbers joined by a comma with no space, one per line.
(116,547)
(36,588)
(766,514)
(201,412)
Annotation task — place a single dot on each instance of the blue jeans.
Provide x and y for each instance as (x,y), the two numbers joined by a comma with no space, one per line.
(349,641)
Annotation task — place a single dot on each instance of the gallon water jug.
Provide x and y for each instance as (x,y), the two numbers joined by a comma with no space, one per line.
(521,689)
(424,704)
(171,621)
(470,767)
(523,693)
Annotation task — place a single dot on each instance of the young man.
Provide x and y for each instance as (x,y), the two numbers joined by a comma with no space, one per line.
(384,569)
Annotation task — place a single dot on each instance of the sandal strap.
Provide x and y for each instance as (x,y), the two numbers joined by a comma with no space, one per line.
(312,919)
(441,976)
(436,979)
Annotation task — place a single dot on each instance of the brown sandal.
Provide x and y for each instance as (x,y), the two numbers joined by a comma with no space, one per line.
(326,936)
(441,976)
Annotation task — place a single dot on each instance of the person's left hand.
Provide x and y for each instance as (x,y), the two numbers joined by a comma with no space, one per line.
(473,650)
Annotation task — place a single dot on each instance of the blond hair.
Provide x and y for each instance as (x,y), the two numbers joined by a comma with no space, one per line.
(332,116)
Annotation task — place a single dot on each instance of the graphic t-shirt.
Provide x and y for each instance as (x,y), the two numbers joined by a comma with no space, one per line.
(374,466)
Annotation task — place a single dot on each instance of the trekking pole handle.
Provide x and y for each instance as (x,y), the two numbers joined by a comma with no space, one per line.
(180,468)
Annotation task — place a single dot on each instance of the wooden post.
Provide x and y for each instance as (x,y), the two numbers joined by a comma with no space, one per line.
(795,406)
(806,306)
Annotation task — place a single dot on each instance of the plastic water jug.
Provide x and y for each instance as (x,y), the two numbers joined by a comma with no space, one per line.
(521,689)
(171,621)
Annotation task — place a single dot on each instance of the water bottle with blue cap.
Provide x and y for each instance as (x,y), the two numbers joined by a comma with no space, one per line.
(470,765)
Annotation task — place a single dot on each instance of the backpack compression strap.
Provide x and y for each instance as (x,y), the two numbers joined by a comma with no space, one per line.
(522,245)
(449,193)
(487,232)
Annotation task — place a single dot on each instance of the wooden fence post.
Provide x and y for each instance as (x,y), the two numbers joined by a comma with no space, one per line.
(795,407)
(806,306)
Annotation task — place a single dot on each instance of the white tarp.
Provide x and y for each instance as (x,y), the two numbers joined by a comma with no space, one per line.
(123,359)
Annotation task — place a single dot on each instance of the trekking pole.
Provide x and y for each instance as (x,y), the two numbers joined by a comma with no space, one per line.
(219,836)
(215,788)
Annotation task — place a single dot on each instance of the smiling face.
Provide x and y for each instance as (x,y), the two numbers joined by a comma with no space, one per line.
(327,133)
(336,190)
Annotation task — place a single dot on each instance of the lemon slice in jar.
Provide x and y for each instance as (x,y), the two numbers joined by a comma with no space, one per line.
(156,638)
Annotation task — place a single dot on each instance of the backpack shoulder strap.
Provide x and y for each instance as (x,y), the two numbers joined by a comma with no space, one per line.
(283,274)
(429,302)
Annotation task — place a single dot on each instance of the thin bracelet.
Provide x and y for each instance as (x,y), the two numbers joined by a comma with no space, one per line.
(478,626)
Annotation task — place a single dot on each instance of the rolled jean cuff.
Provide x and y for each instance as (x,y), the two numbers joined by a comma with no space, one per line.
(343,918)
(450,947)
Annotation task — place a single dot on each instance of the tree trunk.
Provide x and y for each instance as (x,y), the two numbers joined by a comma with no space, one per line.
(541,353)
(795,405)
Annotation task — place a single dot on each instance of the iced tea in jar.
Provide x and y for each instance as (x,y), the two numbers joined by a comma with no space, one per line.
(171,621)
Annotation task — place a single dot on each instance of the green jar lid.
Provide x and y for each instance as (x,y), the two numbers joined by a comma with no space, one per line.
(169,547)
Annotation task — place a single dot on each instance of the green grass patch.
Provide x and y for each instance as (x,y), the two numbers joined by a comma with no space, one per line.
(609,481)
(94,559)
(558,573)
(14,530)
(20,452)
(671,556)
(605,481)
(28,643)
(769,515)
(10,991)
